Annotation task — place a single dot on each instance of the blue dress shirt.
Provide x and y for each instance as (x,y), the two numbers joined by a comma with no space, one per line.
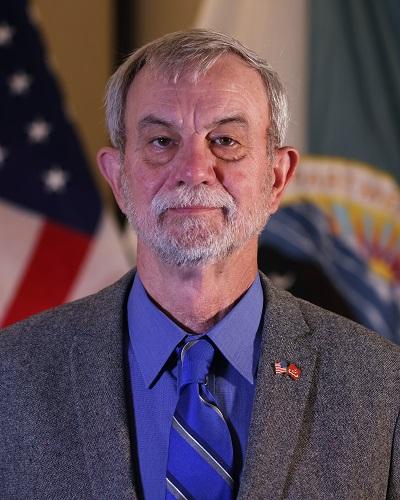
(153,341)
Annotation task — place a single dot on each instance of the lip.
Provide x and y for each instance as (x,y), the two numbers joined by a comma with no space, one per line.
(193,210)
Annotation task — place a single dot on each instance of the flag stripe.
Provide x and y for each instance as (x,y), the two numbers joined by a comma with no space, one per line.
(19,232)
(53,221)
(104,263)
(47,279)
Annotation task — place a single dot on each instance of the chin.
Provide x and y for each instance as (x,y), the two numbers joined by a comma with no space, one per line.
(189,258)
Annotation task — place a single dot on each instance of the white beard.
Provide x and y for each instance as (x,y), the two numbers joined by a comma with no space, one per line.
(194,240)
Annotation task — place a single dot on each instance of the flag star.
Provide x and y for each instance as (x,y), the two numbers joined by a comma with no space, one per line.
(19,83)
(38,131)
(55,179)
(3,155)
(6,34)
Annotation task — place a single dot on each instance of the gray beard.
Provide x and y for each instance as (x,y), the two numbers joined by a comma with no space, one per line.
(193,240)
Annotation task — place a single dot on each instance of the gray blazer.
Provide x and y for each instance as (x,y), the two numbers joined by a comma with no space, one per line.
(65,409)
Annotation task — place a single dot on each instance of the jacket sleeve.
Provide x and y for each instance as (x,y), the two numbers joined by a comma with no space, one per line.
(393,492)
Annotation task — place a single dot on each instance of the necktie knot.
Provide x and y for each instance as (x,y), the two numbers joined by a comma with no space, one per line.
(196,358)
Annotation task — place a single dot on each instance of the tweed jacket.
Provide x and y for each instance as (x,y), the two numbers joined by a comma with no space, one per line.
(65,409)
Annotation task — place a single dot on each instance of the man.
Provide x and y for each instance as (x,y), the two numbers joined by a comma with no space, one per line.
(95,394)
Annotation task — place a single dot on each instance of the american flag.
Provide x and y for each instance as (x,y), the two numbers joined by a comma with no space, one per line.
(281,367)
(57,242)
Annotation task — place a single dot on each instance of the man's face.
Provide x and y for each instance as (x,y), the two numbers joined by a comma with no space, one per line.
(197,181)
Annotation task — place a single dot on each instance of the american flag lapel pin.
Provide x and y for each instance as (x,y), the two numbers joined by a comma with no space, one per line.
(280,367)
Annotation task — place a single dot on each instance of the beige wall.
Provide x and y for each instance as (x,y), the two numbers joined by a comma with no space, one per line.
(79,39)
(157,17)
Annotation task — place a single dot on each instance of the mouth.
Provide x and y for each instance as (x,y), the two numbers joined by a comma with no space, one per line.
(193,210)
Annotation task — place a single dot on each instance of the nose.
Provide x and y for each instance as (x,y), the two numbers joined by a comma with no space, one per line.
(195,163)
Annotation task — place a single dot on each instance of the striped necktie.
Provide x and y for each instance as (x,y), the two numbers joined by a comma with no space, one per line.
(200,457)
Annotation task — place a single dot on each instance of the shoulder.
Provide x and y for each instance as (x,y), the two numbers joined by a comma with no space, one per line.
(351,367)
(56,327)
(331,334)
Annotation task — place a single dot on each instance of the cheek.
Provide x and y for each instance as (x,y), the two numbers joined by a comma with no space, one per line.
(145,183)
(247,183)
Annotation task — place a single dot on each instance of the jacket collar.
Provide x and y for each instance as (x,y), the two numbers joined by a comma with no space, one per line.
(280,402)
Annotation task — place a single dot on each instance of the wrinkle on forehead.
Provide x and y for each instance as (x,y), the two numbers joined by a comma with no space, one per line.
(228,88)
(191,74)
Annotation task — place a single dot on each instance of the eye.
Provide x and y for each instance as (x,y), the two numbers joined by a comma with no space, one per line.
(161,142)
(224,141)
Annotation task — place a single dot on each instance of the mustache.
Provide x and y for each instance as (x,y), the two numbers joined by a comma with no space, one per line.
(191,196)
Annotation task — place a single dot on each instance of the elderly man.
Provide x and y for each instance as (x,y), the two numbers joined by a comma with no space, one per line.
(193,377)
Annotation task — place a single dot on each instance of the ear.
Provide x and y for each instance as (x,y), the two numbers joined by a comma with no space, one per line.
(284,166)
(109,162)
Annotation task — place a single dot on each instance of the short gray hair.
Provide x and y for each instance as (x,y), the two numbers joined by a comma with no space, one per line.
(196,51)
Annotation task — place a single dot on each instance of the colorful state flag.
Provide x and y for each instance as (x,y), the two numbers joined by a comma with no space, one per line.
(57,241)
(342,213)
(336,239)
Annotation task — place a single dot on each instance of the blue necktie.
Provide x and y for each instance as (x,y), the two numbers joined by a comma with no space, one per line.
(200,457)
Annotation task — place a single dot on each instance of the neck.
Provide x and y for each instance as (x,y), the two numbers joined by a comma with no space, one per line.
(197,297)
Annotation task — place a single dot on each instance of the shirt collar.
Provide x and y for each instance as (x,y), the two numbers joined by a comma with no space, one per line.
(154,336)
(236,334)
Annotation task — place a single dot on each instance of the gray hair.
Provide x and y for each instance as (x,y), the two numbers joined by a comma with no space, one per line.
(196,51)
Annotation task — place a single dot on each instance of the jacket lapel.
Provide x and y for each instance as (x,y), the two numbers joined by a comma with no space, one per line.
(100,385)
(280,404)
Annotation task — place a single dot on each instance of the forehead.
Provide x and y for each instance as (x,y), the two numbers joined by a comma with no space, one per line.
(229,87)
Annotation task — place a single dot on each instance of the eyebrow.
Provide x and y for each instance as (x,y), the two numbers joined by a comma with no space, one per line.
(240,119)
(155,120)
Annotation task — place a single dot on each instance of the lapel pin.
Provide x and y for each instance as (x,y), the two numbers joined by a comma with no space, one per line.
(294,371)
(280,367)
